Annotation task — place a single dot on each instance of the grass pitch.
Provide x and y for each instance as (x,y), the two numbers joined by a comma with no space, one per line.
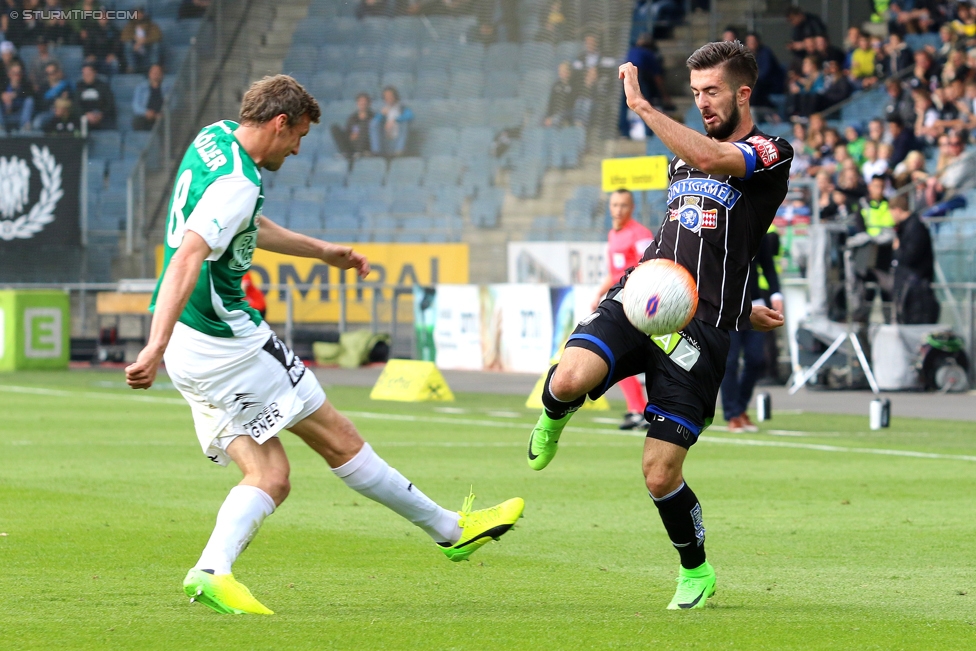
(824,535)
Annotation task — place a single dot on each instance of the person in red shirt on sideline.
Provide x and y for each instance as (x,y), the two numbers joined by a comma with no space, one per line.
(254,296)
(626,243)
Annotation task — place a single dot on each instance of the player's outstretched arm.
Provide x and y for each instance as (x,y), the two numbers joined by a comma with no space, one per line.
(272,237)
(174,292)
(699,151)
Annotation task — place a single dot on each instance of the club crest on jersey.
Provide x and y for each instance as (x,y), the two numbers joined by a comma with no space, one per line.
(691,215)
(243,250)
(717,191)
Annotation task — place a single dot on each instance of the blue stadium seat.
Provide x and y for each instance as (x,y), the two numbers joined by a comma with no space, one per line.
(505,113)
(406,171)
(327,85)
(311,195)
(402,81)
(476,179)
(441,140)
(535,84)
(367,170)
(408,205)
(342,30)
(366,58)
(435,59)
(431,85)
(123,87)
(407,30)
(329,171)
(536,56)
(334,57)
(486,209)
(475,142)
(340,207)
(466,85)
(568,50)
(401,58)
(294,172)
(501,84)
(305,215)
(443,170)
(361,82)
(104,144)
(374,31)
(467,58)
(502,57)
(71,58)
(469,112)
(341,221)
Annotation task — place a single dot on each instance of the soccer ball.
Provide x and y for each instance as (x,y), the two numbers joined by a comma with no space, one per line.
(659,297)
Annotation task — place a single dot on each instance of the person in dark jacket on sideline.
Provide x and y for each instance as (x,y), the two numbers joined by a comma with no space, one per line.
(913,266)
(772,77)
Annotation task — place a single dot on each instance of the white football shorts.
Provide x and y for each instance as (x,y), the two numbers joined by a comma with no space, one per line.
(240,386)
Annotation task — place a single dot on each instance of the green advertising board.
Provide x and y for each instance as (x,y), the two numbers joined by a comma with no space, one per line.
(34,330)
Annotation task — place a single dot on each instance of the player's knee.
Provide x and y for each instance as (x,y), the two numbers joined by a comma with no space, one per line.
(277,485)
(661,479)
(568,384)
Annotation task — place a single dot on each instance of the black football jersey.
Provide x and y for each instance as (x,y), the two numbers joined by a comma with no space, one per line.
(715,223)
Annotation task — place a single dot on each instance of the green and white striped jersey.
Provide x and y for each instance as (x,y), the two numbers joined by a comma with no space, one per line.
(217,195)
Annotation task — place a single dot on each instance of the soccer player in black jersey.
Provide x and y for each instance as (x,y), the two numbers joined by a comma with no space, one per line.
(724,190)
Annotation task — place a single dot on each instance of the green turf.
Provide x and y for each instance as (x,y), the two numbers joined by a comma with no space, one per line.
(106,501)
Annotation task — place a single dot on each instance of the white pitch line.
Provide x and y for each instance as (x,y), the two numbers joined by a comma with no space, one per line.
(59,393)
(521,426)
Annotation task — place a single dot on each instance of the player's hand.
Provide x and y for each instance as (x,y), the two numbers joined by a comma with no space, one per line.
(778,305)
(764,319)
(142,373)
(344,257)
(628,72)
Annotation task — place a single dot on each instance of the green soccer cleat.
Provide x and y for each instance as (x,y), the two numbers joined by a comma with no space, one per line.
(694,587)
(544,439)
(478,527)
(222,593)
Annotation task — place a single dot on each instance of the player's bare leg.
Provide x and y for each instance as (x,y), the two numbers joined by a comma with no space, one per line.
(679,510)
(578,372)
(353,460)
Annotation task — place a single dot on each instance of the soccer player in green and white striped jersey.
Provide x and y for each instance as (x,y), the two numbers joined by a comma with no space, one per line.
(242,383)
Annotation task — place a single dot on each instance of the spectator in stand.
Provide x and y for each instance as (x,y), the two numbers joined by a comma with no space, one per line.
(855,143)
(147,100)
(896,55)
(849,182)
(16,100)
(955,67)
(38,67)
(913,266)
(917,16)
(592,59)
(562,98)
(8,58)
(730,33)
(837,87)
(876,131)
(826,51)
(805,89)
(650,73)
(910,170)
(771,79)
(900,103)
(63,119)
(95,99)
(102,44)
(947,40)
(925,74)
(56,28)
(926,116)
(55,87)
(956,111)
(554,26)
(805,26)
(873,164)
(863,63)
(964,26)
(483,31)
(950,170)
(439,7)
(193,9)
(142,41)
(390,127)
(353,140)
(902,140)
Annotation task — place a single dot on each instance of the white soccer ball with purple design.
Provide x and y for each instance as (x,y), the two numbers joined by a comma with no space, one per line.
(659,297)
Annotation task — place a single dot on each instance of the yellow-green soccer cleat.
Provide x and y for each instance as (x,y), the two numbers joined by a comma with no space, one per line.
(478,527)
(222,593)
(694,587)
(544,440)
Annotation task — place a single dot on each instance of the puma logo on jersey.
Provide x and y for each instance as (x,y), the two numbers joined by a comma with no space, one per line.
(220,229)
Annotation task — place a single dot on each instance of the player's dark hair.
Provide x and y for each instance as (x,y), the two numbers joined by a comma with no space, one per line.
(270,97)
(739,64)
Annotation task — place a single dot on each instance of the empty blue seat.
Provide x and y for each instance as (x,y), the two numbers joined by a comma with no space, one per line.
(335,57)
(505,113)
(475,142)
(368,170)
(304,215)
(406,171)
(407,30)
(104,144)
(502,57)
(401,57)
(442,140)
(501,84)
(466,85)
(361,82)
(431,86)
(329,171)
(536,55)
(443,170)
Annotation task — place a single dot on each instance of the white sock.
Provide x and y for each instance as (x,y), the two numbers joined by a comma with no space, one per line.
(367,474)
(238,520)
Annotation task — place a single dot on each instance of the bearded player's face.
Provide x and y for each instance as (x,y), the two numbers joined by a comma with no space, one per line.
(717,102)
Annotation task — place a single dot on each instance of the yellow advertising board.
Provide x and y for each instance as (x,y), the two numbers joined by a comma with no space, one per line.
(392,264)
(636,173)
